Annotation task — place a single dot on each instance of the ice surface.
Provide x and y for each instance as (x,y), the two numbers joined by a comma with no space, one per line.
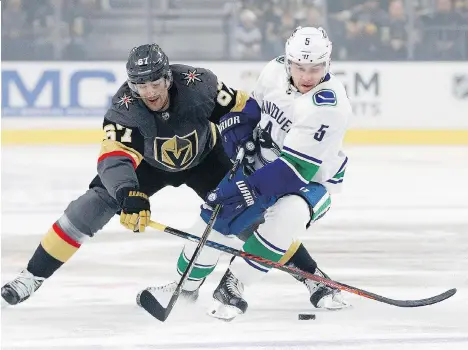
(399,229)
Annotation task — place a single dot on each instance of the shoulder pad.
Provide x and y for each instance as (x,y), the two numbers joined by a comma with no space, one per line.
(325,97)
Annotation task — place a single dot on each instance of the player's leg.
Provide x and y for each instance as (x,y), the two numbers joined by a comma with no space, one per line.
(151,180)
(201,178)
(198,178)
(300,258)
(82,219)
(319,200)
(287,219)
(320,296)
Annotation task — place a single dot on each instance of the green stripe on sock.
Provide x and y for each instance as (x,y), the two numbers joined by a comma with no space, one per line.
(198,272)
(254,246)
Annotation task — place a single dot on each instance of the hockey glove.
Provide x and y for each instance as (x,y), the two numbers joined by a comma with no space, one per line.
(135,214)
(235,195)
(237,130)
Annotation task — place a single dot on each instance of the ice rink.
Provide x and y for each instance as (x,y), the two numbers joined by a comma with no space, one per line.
(399,229)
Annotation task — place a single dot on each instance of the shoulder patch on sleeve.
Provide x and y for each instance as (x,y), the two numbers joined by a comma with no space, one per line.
(125,101)
(325,97)
(280,59)
(192,76)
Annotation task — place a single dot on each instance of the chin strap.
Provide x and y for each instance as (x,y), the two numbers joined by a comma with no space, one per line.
(291,86)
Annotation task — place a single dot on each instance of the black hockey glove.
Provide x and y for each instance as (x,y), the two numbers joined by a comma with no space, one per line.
(136,213)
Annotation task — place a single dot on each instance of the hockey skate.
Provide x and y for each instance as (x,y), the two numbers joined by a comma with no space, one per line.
(322,296)
(21,288)
(228,301)
(164,292)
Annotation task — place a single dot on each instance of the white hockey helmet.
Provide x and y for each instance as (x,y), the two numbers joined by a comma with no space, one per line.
(308,45)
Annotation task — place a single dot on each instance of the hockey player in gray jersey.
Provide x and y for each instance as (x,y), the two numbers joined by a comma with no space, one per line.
(160,131)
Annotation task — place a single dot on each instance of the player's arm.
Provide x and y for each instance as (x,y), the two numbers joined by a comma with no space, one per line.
(237,114)
(231,101)
(121,153)
(307,145)
(310,142)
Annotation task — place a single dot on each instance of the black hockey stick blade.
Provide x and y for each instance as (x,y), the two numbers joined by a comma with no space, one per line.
(152,306)
(298,272)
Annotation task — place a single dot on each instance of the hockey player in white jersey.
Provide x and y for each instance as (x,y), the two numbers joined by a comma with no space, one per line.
(293,142)
(304,117)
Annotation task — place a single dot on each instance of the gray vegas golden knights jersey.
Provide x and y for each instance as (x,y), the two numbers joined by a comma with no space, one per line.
(173,140)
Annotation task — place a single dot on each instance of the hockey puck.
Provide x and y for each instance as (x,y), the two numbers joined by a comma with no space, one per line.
(306,316)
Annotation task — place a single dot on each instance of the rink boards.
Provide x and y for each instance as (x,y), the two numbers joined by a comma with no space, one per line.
(394,103)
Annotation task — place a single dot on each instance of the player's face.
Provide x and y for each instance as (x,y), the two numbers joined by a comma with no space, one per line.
(306,76)
(154,94)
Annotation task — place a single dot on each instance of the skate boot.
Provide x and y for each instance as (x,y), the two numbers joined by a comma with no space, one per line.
(228,301)
(165,292)
(21,288)
(322,296)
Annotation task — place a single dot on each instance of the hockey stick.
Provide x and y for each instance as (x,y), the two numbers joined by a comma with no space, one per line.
(298,272)
(147,300)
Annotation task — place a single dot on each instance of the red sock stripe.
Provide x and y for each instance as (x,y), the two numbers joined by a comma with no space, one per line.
(119,154)
(64,236)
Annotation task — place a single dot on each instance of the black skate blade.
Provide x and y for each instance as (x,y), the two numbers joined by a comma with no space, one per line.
(152,306)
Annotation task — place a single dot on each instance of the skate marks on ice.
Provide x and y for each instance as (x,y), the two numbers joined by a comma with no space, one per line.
(90,304)
(401,233)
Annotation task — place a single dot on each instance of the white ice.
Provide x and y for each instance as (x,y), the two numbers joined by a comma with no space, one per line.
(399,229)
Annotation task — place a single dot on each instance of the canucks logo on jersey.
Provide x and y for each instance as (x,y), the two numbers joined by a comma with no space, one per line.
(325,97)
(176,152)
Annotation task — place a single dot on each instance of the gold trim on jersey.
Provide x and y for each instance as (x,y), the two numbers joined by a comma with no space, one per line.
(176,152)
(214,133)
(241,100)
(109,146)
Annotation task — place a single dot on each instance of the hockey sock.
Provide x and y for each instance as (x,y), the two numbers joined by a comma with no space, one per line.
(55,249)
(258,245)
(302,260)
(300,256)
(197,275)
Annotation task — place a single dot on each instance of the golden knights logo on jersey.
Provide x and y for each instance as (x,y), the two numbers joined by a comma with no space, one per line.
(176,152)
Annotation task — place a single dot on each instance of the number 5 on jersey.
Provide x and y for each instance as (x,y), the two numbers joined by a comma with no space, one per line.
(321,132)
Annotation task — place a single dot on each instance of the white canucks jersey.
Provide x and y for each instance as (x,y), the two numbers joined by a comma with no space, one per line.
(305,130)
